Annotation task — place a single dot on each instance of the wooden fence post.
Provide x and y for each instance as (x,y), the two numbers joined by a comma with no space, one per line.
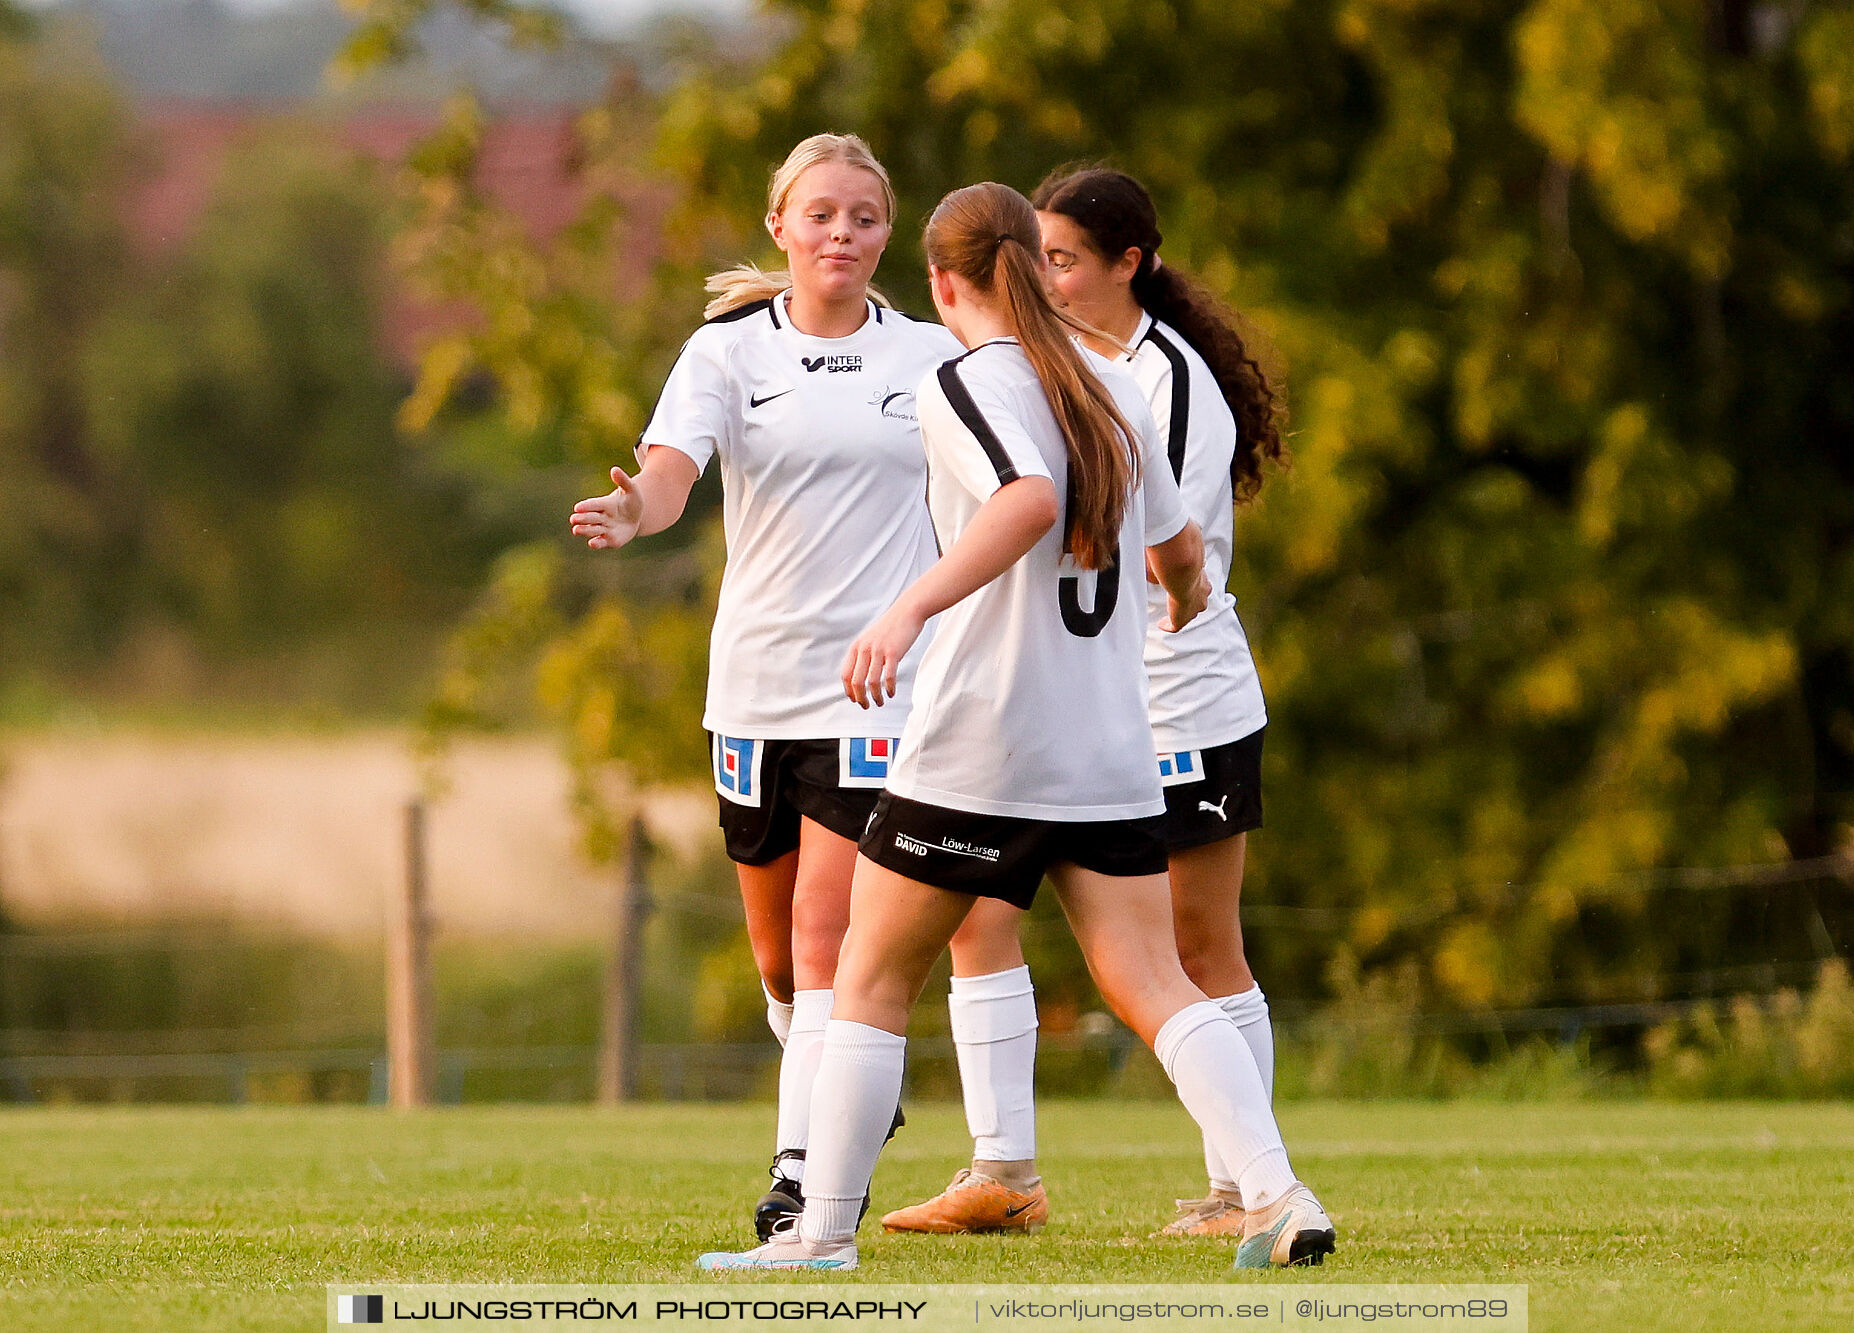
(624,973)
(409,1054)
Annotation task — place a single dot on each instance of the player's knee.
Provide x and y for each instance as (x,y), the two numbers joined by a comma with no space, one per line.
(1196,957)
(815,952)
(982,953)
(878,996)
(773,959)
(1205,938)
(779,982)
(1136,982)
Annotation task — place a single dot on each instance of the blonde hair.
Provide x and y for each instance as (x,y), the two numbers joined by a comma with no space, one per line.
(988,235)
(746,283)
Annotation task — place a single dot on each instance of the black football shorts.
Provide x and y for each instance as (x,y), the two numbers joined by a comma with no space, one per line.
(766,786)
(1212,794)
(996,856)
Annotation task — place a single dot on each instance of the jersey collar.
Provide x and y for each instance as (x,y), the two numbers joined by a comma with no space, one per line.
(782,319)
(1139,335)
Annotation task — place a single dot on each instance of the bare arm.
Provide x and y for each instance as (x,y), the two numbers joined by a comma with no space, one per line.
(1177,565)
(1006,526)
(637,506)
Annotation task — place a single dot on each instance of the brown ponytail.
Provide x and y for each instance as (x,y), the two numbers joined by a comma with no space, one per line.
(988,235)
(1118,215)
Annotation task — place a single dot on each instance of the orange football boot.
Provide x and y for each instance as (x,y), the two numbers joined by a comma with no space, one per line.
(1210,1216)
(974,1202)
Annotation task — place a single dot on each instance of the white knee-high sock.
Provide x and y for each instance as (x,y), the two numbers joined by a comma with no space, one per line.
(1249,1010)
(994,1033)
(797,1070)
(1210,1065)
(778,1015)
(853,1100)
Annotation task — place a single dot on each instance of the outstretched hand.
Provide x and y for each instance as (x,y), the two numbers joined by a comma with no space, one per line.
(874,659)
(610,521)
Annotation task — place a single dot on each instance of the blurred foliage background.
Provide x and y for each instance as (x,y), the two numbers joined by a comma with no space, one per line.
(1554,610)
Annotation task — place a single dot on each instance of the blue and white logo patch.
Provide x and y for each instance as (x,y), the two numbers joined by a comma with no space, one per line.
(863,761)
(737,769)
(1175,770)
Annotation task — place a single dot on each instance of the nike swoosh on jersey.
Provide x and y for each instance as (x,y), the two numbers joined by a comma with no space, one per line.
(761,402)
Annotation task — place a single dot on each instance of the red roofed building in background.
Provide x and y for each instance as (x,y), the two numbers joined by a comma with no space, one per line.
(525,166)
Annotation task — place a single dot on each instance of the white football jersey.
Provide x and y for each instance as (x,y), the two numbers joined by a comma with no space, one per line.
(823,480)
(1031,699)
(1204,688)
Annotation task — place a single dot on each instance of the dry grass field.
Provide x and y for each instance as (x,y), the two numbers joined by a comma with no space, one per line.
(296,831)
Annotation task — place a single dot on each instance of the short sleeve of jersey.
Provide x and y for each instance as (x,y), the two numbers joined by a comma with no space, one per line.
(978,439)
(1165,507)
(692,415)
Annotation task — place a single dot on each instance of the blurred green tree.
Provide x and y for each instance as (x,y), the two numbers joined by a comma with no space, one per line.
(1557,591)
(1557,595)
(65,153)
(247,400)
(615,652)
(244,403)
(202,489)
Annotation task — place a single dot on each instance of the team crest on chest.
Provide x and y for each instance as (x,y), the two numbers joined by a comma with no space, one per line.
(863,761)
(896,404)
(737,769)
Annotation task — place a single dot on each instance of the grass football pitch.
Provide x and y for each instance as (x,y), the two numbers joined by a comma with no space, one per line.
(1619,1216)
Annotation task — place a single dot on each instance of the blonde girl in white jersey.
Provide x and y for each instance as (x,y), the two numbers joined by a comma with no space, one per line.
(1216,412)
(1028,751)
(801,384)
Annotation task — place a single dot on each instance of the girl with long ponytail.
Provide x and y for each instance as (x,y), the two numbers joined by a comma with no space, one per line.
(1028,751)
(1220,419)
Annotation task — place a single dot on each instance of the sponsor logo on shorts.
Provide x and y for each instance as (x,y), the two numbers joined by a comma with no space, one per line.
(957,846)
(1216,809)
(1181,767)
(737,769)
(863,761)
(832,365)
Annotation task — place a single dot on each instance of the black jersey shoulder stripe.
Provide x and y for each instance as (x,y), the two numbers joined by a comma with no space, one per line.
(877,305)
(1181,398)
(968,411)
(745,311)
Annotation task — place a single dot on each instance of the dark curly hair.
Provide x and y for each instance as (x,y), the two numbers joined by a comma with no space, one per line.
(1118,215)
